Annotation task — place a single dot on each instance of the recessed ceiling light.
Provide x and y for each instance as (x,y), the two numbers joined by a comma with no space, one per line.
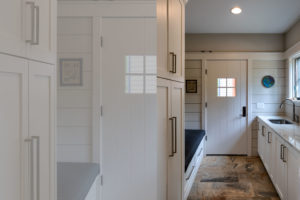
(236,10)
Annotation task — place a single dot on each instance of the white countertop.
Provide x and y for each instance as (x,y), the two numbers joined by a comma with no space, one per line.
(288,132)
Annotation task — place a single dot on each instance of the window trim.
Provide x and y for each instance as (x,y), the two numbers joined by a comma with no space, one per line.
(293,71)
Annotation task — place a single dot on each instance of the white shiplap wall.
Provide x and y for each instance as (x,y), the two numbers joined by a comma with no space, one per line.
(74,104)
(193,112)
(269,97)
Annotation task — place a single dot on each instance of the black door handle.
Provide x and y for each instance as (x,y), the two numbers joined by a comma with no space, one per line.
(244,111)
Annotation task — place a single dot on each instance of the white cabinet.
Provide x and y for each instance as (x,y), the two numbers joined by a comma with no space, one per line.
(27,121)
(170,17)
(12,38)
(28,29)
(14,128)
(281,168)
(41,129)
(281,161)
(42,31)
(175,164)
(170,136)
(293,175)
(176,38)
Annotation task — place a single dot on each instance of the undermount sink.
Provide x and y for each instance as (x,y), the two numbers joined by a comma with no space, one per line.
(280,121)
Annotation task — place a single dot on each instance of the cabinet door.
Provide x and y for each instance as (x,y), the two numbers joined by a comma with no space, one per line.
(12,40)
(14,132)
(176,39)
(162,38)
(44,33)
(175,161)
(293,175)
(164,130)
(281,170)
(41,130)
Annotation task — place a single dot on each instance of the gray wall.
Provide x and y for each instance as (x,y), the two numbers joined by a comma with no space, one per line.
(235,42)
(292,36)
(193,117)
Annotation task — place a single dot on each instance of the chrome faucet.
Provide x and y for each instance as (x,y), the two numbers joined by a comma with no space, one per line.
(295,117)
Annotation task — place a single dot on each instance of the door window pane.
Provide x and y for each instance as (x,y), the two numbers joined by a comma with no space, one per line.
(226,87)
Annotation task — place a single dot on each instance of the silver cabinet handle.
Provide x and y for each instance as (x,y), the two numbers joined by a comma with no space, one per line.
(281,152)
(263,131)
(200,152)
(284,154)
(173,62)
(32,9)
(34,191)
(37,26)
(269,141)
(190,174)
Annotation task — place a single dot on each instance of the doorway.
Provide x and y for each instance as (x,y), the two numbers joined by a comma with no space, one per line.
(226,108)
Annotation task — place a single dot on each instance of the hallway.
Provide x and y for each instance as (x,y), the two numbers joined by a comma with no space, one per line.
(232,178)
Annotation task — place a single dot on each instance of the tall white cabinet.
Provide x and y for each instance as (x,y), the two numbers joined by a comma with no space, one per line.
(27,104)
(170,95)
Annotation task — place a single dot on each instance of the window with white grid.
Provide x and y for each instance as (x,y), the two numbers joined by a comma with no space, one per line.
(226,87)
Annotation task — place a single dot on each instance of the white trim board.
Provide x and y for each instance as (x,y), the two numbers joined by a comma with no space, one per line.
(107,8)
(249,57)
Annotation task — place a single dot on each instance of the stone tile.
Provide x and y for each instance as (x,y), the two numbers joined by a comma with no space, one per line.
(232,178)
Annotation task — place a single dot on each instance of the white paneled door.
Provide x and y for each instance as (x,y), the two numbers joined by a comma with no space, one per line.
(129,108)
(226,111)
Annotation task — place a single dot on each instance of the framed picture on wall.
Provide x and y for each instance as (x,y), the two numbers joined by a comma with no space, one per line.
(70,71)
(191,86)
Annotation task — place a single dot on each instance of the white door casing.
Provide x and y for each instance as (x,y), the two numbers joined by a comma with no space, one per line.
(227,128)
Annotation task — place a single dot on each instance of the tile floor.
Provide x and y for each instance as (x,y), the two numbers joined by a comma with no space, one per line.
(232,178)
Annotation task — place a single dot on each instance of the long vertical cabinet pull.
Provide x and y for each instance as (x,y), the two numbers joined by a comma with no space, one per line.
(281,152)
(269,141)
(35,24)
(37,21)
(173,62)
(34,170)
(284,154)
(172,136)
(32,10)
(175,133)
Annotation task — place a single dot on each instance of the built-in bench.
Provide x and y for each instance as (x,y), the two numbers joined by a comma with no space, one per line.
(194,153)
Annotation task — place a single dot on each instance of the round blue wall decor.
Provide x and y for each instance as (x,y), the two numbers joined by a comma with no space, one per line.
(268,81)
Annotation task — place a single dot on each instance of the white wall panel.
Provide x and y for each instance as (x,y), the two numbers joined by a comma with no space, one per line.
(74,103)
(193,101)
(270,97)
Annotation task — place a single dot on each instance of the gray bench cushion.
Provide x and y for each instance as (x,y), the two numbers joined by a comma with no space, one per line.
(74,180)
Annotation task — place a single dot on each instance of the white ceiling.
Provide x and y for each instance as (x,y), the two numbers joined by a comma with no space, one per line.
(258,16)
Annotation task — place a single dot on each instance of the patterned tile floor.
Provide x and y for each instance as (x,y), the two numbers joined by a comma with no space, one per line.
(232,178)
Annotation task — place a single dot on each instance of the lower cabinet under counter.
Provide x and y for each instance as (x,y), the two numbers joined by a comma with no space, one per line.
(281,161)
